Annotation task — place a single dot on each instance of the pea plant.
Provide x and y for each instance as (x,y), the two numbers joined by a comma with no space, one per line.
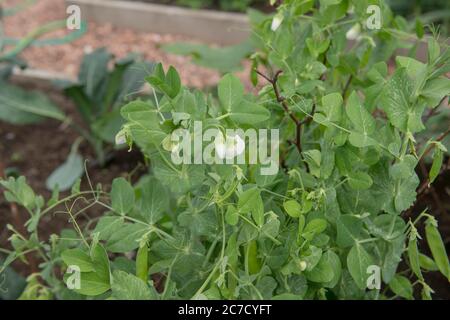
(332,221)
(98,94)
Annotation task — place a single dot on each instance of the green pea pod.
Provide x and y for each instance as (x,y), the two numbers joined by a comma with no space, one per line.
(232,254)
(142,263)
(253,262)
(413,256)
(437,247)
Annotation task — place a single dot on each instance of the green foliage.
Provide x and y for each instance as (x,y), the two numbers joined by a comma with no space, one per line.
(313,230)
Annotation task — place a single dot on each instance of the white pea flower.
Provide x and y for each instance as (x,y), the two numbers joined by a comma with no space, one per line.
(354,33)
(276,22)
(229,147)
(169,145)
(303,265)
(121,137)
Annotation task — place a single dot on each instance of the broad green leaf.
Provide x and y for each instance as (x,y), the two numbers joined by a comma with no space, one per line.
(153,201)
(313,228)
(334,261)
(93,71)
(361,140)
(358,261)
(230,91)
(332,105)
(143,122)
(98,281)
(406,193)
(348,230)
(359,180)
(18,191)
(122,196)
(127,238)
(250,201)
(400,109)
(248,112)
(232,216)
(107,226)
(361,119)
(79,258)
(435,90)
(67,174)
(18,106)
(388,226)
(126,286)
(323,271)
(292,208)
(173,81)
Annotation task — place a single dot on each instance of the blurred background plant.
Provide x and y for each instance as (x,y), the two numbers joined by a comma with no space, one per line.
(430,11)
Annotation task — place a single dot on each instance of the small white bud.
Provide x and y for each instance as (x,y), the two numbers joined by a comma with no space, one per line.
(276,22)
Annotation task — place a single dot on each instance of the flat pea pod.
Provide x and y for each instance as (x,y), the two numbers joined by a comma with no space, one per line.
(142,263)
(413,256)
(253,263)
(437,248)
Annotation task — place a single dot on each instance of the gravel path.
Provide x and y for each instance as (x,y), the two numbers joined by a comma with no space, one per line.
(66,58)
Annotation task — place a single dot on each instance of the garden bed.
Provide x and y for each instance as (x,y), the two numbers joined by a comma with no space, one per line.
(204,25)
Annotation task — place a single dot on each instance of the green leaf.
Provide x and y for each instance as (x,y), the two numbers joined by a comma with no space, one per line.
(122,196)
(358,261)
(406,193)
(143,123)
(79,258)
(396,100)
(230,91)
(332,105)
(98,281)
(173,81)
(292,208)
(314,227)
(323,271)
(93,71)
(169,84)
(359,180)
(67,174)
(18,191)
(361,119)
(232,216)
(250,201)
(248,112)
(388,226)
(402,287)
(126,286)
(107,226)
(153,201)
(127,238)
(18,106)
(348,230)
